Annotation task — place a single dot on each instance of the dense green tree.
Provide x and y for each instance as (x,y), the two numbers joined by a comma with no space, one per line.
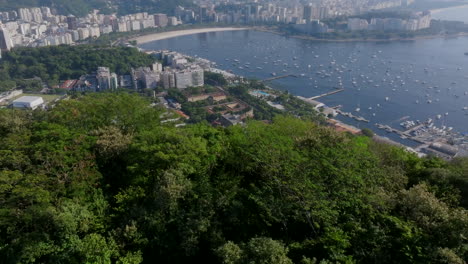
(100,179)
(258,250)
(52,64)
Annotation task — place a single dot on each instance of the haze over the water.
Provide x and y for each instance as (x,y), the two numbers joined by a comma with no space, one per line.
(453,14)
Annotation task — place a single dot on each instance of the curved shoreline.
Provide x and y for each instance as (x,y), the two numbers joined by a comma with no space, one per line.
(311,38)
(455,35)
(438,10)
(178,33)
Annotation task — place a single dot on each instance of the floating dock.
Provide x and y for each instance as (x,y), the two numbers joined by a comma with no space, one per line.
(326,94)
(358,118)
(414,128)
(404,135)
(279,77)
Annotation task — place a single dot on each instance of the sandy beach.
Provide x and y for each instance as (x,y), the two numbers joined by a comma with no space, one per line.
(434,11)
(178,33)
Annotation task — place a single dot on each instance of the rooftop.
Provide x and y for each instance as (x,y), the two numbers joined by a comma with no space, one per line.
(27,99)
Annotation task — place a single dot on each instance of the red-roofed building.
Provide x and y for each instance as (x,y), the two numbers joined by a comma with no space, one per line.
(68,84)
(182,114)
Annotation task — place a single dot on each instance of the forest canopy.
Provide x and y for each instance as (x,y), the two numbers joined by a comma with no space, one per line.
(100,179)
(55,63)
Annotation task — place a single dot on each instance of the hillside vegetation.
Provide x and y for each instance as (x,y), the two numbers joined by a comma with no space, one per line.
(55,63)
(99,179)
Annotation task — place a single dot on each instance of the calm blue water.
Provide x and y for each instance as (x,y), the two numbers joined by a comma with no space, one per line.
(387,81)
(455,14)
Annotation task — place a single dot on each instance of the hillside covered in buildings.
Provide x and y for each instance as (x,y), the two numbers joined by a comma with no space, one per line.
(108,178)
(40,24)
(83,7)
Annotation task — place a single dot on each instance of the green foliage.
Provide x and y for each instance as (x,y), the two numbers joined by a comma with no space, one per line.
(367,132)
(262,110)
(52,64)
(217,79)
(258,250)
(99,179)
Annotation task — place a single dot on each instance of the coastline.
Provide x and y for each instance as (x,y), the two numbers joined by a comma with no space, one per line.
(461,34)
(336,123)
(305,37)
(438,10)
(178,33)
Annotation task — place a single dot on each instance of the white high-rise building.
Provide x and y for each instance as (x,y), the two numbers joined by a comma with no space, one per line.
(412,25)
(183,79)
(5,39)
(103,77)
(67,39)
(52,41)
(157,67)
(11,26)
(357,24)
(83,33)
(105,29)
(160,20)
(94,31)
(147,23)
(151,79)
(168,79)
(75,35)
(198,77)
(135,25)
(25,28)
(25,14)
(172,21)
(36,14)
(122,26)
(46,12)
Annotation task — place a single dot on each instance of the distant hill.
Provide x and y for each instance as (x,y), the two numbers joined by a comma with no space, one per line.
(82,7)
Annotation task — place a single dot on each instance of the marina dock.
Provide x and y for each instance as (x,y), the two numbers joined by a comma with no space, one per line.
(350,115)
(404,135)
(327,94)
(279,77)
(414,128)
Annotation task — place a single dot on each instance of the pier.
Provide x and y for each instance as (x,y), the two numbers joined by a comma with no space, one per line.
(279,77)
(414,128)
(403,134)
(358,118)
(327,94)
